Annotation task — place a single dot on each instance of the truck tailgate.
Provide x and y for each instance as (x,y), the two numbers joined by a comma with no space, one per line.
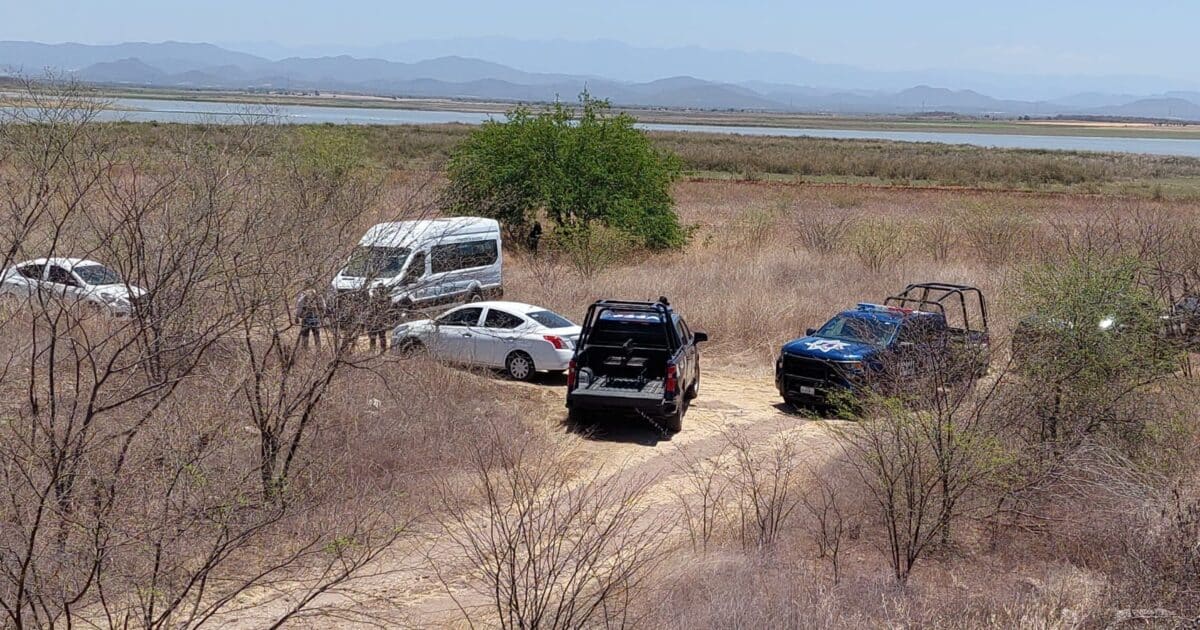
(610,387)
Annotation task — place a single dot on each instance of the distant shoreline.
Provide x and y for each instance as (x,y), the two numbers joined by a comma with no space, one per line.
(1034,127)
(766,120)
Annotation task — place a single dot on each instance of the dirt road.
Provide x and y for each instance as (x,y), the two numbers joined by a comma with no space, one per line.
(424,585)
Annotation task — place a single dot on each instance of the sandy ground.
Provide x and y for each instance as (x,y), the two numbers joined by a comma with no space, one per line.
(422,582)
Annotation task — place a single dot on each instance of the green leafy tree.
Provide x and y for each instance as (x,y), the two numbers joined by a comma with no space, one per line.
(580,168)
(1093,343)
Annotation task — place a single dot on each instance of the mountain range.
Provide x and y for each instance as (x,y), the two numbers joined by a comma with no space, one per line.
(731,80)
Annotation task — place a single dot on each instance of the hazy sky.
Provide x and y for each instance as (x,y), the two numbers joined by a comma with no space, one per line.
(1045,36)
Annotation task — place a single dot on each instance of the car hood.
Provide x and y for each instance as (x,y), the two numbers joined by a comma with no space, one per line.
(414,326)
(124,291)
(830,349)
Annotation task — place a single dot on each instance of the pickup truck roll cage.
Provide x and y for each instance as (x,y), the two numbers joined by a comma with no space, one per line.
(935,295)
(594,311)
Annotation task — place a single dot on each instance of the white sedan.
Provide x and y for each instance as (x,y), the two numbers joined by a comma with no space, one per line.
(519,338)
(72,279)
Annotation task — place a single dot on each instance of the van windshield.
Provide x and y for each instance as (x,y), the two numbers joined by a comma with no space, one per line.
(376,262)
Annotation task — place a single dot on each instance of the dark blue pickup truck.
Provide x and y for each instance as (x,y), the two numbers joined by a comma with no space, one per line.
(927,324)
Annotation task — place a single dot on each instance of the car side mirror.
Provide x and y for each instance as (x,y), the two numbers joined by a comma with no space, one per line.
(700,337)
(810,332)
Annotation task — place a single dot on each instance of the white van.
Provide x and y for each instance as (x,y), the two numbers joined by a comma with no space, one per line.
(428,262)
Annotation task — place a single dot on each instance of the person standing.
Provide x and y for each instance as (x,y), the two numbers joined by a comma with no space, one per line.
(349,314)
(535,237)
(381,315)
(310,314)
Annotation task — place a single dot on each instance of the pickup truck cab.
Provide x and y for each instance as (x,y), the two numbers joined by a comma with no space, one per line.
(635,356)
(876,343)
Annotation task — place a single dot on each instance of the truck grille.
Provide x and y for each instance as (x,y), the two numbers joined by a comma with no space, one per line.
(805,368)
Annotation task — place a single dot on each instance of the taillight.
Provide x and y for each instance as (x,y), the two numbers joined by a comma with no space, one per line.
(672,384)
(558,342)
(571,375)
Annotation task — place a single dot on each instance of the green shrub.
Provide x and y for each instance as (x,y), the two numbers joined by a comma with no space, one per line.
(1091,345)
(590,249)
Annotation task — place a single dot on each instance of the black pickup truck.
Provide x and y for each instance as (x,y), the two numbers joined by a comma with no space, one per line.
(634,356)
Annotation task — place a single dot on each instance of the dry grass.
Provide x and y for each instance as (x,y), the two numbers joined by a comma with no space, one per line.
(752,280)
(765,262)
(814,159)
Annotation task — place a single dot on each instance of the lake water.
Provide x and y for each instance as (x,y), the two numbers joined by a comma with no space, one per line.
(146,110)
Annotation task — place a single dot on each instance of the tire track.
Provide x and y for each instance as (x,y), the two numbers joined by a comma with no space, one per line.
(409,585)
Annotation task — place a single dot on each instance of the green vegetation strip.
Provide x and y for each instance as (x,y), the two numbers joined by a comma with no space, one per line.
(813,160)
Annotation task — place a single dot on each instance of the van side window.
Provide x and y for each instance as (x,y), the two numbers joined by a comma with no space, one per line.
(463,255)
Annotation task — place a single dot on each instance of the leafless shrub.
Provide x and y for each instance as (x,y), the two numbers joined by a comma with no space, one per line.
(823,230)
(702,496)
(925,445)
(552,551)
(837,516)
(878,245)
(129,484)
(995,234)
(939,235)
(764,483)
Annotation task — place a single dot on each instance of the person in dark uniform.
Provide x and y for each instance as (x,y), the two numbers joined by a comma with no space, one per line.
(381,315)
(348,313)
(535,237)
(310,315)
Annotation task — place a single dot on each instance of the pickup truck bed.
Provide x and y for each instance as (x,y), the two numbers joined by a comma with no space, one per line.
(634,356)
(623,387)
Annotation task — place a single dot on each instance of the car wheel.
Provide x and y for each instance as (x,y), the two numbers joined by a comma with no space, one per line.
(674,422)
(519,366)
(580,418)
(409,348)
(693,390)
(475,296)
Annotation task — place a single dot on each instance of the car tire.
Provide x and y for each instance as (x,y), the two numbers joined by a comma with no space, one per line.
(674,422)
(409,348)
(475,296)
(693,390)
(519,366)
(580,417)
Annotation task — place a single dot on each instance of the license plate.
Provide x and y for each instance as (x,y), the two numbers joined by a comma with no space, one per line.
(808,391)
